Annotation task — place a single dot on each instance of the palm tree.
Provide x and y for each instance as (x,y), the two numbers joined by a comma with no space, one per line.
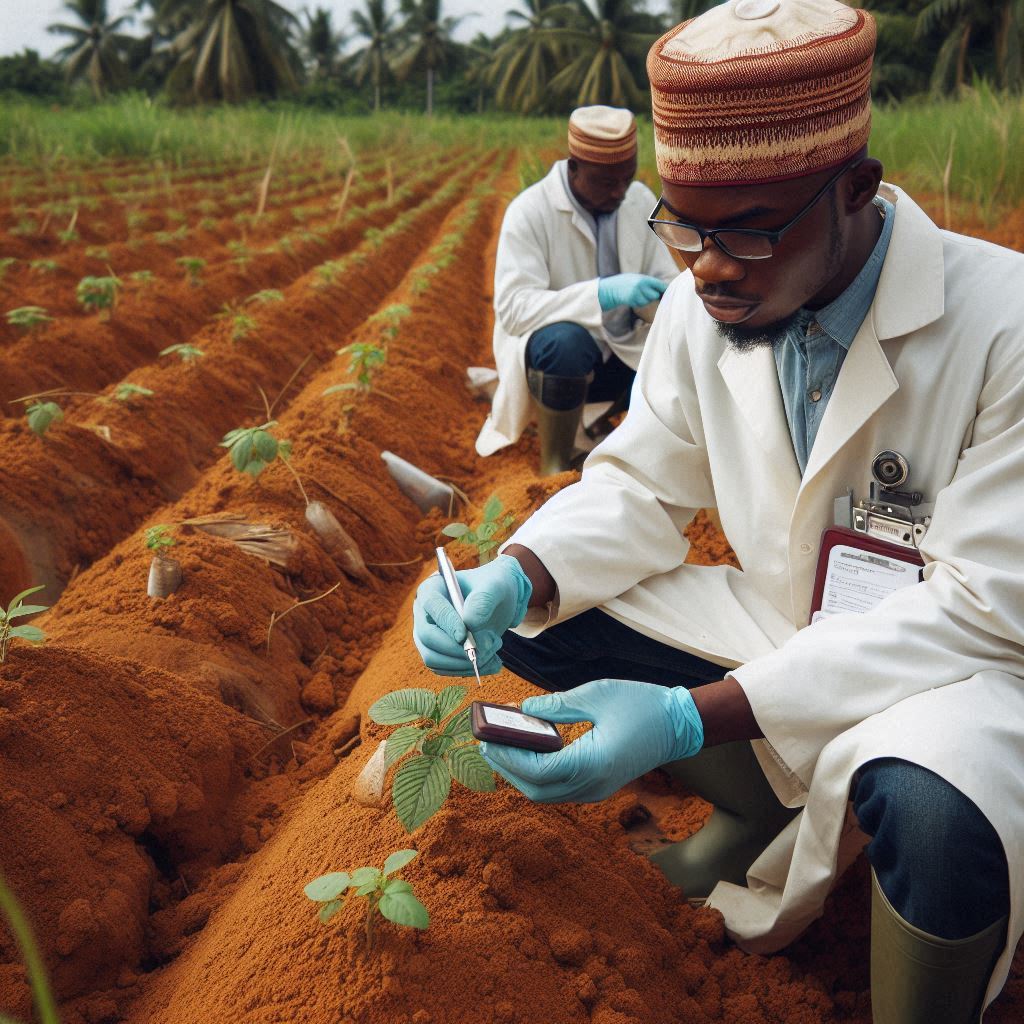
(377,26)
(321,43)
(430,45)
(962,20)
(95,48)
(609,40)
(231,49)
(524,63)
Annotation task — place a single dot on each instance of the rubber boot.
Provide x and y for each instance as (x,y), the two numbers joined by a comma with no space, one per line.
(603,426)
(917,978)
(747,816)
(559,402)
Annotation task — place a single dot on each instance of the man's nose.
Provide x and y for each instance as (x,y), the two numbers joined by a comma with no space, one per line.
(714,265)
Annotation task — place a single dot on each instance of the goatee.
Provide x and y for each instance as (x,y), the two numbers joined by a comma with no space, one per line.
(745,339)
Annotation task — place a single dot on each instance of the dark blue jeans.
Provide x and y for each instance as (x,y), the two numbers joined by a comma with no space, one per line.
(566,349)
(938,859)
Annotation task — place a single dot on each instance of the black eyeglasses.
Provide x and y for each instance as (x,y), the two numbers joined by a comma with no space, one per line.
(740,243)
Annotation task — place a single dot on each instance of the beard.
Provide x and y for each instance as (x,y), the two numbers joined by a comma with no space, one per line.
(746,339)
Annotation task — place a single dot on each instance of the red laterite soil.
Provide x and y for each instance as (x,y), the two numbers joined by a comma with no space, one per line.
(172,774)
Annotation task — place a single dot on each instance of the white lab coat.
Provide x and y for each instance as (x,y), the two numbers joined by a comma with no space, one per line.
(935,673)
(546,272)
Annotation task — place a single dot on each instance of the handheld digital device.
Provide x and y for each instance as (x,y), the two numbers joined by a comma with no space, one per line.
(502,723)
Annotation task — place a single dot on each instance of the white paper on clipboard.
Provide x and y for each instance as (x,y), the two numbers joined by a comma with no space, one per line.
(856,580)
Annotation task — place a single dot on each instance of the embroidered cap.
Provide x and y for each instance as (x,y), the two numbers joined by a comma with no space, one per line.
(602,135)
(761,90)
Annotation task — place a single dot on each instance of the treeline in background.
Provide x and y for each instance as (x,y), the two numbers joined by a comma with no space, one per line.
(401,55)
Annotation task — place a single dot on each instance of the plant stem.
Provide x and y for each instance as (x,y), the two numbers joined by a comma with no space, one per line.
(275,618)
(305,496)
(291,380)
(33,962)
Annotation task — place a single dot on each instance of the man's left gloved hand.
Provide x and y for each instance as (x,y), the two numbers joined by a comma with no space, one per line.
(637,726)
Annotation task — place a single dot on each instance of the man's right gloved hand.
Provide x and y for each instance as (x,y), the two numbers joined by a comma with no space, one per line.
(496,597)
(629,290)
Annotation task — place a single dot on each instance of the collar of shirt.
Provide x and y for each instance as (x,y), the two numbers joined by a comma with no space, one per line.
(841,318)
(588,218)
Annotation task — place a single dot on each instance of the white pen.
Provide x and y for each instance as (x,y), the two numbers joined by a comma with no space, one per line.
(444,564)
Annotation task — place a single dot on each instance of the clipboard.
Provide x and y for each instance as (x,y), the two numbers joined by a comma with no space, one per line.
(856,572)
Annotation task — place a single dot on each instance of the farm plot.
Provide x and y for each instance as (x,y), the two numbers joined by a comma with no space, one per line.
(181,768)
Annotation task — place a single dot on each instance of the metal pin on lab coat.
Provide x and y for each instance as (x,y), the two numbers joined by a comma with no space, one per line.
(444,564)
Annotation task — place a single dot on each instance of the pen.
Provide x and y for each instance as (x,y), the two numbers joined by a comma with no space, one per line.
(447,570)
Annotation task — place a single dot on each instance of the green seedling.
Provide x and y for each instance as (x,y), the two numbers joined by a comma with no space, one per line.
(206,206)
(28,318)
(98,252)
(390,316)
(193,267)
(241,323)
(266,295)
(208,224)
(126,392)
(366,360)
(43,266)
(42,994)
(440,748)
(135,219)
(392,898)
(25,226)
(5,264)
(242,253)
(187,353)
(482,536)
(15,610)
(98,293)
(374,237)
(254,448)
(157,539)
(141,276)
(41,414)
(68,235)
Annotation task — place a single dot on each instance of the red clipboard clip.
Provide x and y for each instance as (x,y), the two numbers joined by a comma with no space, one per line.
(857,571)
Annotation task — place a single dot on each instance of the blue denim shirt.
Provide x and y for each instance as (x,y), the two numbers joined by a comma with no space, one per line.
(809,359)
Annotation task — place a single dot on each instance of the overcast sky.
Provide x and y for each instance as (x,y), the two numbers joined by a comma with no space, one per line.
(23,22)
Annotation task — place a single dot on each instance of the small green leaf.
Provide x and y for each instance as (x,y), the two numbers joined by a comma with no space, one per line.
(241,452)
(364,876)
(455,530)
(447,701)
(264,446)
(401,741)
(421,785)
(403,908)
(366,888)
(487,530)
(327,887)
(487,545)
(460,726)
(27,609)
(469,767)
(328,910)
(437,745)
(402,706)
(493,508)
(29,633)
(41,414)
(396,861)
(21,597)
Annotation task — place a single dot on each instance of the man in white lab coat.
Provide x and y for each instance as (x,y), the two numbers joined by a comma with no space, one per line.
(823,319)
(575,263)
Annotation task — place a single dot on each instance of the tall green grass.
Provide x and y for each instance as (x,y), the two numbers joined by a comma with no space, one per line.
(970,148)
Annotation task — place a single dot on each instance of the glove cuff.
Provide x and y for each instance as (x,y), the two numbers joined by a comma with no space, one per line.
(607,302)
(524,588)
(687,727)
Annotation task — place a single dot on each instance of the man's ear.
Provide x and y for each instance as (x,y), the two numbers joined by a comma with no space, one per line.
(863,185)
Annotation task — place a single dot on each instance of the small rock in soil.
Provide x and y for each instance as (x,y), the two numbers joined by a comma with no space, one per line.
(570,944)
(318,694)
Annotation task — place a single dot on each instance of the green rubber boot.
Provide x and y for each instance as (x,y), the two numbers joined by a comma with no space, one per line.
(917,978)
(559,402)
(747,816)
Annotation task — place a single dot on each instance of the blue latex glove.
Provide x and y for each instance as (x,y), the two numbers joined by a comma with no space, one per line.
(637,727)
(629,290)
(496,596)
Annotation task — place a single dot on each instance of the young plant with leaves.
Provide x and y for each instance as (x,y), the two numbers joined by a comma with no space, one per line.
(241,323)
(392,898)
(439,748)
(164,571)
(482,536)
(126,392)
(188,354)
(366,360)
(41,415)
(28,318)
(15,610)
(98,293)
(265,296)
(193,267)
